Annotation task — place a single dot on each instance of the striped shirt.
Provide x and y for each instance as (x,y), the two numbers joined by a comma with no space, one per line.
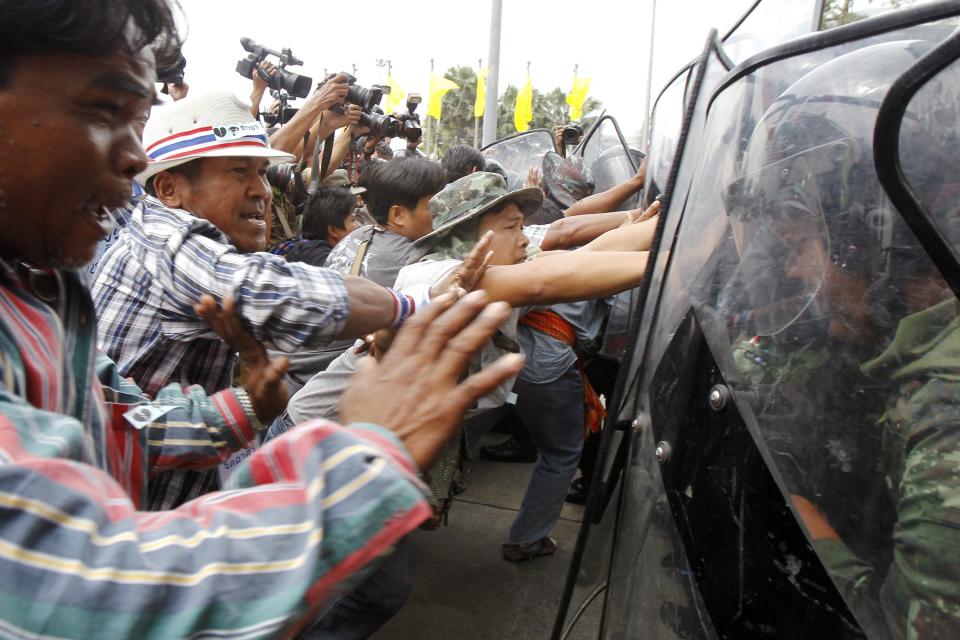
(147,285)
(294,528)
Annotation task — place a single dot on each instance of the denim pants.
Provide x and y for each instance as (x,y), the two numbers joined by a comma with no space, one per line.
(553,413)
(361,612)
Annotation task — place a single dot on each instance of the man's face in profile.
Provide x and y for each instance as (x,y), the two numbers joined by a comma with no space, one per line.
(69,147)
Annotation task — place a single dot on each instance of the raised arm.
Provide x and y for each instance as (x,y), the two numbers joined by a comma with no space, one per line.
(290,136)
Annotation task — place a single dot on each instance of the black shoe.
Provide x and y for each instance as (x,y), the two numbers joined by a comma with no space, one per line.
(510,450)
(579,489)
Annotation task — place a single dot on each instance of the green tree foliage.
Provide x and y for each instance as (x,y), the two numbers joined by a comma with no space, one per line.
(458,124)
(840,12)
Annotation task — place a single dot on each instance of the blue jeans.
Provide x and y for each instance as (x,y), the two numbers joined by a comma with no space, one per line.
(553,413)
(361,612)
(281,424)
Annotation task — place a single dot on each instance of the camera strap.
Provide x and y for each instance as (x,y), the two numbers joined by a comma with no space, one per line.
(327,154)
(362,251)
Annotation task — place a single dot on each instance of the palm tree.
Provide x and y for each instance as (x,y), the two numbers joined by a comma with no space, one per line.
(457,123)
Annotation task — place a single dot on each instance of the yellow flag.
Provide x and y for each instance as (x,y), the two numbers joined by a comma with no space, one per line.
(481,100)
(577,96)
(395,98)
(523,110)
(439,86)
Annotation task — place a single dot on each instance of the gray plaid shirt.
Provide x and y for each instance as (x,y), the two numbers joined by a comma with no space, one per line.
(145,290)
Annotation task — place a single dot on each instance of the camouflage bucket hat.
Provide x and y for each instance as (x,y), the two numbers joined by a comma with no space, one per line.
(472,196)
(566,180)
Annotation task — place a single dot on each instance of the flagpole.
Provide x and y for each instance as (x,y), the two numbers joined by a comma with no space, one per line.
(493,58)
(646,106)
(431,121)
(476,120)
(436,140)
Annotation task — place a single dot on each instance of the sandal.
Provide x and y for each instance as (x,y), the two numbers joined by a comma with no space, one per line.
(519,553)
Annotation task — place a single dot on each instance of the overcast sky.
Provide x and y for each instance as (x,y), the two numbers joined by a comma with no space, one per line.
(609,40)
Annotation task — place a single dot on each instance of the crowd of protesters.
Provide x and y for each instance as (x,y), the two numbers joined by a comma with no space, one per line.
(162,300)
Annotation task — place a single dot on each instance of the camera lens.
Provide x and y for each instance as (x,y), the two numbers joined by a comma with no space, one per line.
(280,175)
(365,98)
(294,83)
(381,125)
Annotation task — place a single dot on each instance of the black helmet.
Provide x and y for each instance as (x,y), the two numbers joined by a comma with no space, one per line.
(808,201)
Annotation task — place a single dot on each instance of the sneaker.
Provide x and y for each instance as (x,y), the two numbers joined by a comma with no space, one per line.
(510,450)
(579,489)
(519,553)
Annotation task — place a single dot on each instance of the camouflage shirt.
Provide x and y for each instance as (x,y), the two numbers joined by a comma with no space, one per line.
(920,594)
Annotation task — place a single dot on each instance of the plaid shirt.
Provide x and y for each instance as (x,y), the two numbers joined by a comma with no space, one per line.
(147,285)
(79,560)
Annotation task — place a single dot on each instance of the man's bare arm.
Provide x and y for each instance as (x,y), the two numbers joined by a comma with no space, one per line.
(290,136)
(568,233)
(565,277)
(631,237)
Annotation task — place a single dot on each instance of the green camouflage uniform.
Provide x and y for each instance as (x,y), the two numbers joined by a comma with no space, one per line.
(920,595)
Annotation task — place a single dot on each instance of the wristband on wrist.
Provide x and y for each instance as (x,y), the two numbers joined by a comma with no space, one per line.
(406,302)
(247,405)
(403,307)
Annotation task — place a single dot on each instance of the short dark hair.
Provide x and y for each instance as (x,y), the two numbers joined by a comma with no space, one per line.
(461,160)
(401,183)
(328,207)
(384,151)
(87,28)
(189,170)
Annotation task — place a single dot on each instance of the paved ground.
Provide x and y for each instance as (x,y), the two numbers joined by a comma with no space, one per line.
(462,587)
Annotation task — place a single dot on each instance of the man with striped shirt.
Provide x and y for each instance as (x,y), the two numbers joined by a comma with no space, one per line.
(200,232)
(300,519)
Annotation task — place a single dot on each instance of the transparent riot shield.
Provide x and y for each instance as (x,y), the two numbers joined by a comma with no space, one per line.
(589,576)
(608,157)
(768,23)
(611,162)
(519,153)
(790,465)
(663,134)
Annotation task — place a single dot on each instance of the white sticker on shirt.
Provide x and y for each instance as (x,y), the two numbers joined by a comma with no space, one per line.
(144,414)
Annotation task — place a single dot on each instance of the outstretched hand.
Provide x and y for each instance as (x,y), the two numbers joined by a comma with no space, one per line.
(635,216)
(264,379)
(469,273)
(415,384)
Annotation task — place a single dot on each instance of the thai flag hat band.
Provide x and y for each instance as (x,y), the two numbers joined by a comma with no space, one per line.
(204,126)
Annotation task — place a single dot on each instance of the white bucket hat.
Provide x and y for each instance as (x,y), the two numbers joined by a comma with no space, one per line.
(203,126)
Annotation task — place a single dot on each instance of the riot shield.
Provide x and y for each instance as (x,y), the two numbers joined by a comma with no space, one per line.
(519,153)
(789,471)
(663,133)
(608,157)
(611,162)
(768,23)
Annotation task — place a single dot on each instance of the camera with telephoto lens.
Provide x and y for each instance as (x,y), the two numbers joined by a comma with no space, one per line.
(572,133)
(380,124)
(295,84)
(410,121)
(281,175)
(364,97)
